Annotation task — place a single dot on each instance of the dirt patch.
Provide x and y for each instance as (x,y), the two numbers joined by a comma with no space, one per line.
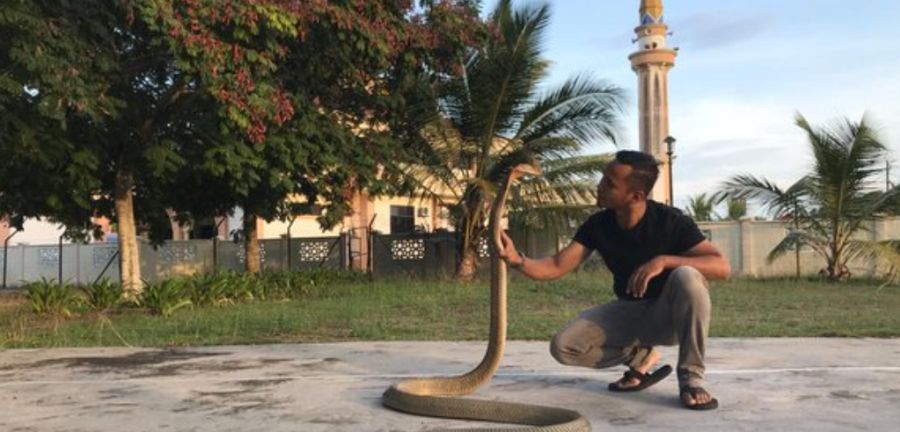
(335,420)
(118,393)
(97,364)
(249,397)
(258,383)
(319,364)
(626,421)
(187,367)
(539,383)
(274,361)
(844,394)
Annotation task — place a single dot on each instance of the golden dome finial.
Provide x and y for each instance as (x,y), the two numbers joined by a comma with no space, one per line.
(652,11)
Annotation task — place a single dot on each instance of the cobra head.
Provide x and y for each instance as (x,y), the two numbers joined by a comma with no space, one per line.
(526,169)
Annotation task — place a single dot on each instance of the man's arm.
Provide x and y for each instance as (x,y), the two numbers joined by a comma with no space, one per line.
(548,268)
(705,257)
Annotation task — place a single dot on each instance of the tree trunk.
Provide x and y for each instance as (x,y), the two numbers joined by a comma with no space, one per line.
(797,246)
(465,270)
(129,259)
(468,235)
(251,243)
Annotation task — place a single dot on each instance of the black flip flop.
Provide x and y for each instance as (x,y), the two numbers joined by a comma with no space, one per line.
(644,380)
(711,405)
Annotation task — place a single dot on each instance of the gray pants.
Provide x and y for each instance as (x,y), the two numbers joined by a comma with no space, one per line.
(624,332)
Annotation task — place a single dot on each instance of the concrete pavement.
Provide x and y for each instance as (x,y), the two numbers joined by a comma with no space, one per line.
(762,384)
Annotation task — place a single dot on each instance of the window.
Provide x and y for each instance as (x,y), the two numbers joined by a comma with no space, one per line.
(403,220)
(306,209)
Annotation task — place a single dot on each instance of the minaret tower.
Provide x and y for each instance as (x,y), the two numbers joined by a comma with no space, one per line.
(652,62)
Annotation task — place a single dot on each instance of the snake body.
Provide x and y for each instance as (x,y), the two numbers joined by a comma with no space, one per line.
(438,397)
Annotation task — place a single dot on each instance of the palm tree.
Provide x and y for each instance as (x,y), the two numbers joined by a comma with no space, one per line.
(829,205)
(478,125)
(700,207)
(562,197)
(736,209)
(781,204)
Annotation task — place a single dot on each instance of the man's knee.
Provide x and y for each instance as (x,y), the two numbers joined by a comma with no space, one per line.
(563,352)
(688,280)
(687,273)
(556,349)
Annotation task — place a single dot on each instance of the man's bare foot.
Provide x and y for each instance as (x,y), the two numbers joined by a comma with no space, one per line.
(649,361)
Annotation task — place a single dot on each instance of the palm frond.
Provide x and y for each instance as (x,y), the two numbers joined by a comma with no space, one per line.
(701,207)
(886,255)
(798,238)
(503,76)
(541,192)
(847,157)
(552,147)
(576,168)
(559,217)
(775,200)
(582,108)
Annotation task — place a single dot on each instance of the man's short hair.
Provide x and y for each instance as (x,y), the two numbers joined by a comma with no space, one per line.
(644,169)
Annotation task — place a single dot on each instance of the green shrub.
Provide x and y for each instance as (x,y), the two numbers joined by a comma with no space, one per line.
(326,276)
(102,295)
(51,298)
(211,289)
(243,287)
(166,297)
(318,282)
(281,285)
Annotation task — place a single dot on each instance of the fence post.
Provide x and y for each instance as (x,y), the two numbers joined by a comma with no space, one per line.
(370,242)
(349,250)
(215,252)
(746,248)
(6,255)
(60,258)
(345,251)
(215,239)
(287,235)
(77,263)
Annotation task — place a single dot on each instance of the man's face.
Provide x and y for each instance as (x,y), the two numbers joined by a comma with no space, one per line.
(614,191)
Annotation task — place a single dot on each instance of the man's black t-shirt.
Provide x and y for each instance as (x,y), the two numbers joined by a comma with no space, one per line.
(662,231)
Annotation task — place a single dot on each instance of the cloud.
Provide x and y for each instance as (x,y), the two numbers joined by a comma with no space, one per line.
(719,137)
(708,30)
(700,31)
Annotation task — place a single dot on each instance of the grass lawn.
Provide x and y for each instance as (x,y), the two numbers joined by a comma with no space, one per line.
(425,310)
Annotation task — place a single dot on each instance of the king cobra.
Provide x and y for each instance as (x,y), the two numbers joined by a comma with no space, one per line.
(434,397)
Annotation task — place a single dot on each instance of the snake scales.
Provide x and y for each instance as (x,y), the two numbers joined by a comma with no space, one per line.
(436,397)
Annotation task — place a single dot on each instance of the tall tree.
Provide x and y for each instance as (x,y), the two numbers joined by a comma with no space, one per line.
(478,125)
(347,80)
(830,204)
(45,76)
(107,99)
(735,209)
(564,194)
(702,207)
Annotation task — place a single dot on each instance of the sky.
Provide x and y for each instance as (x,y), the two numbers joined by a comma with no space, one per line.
(744,69)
